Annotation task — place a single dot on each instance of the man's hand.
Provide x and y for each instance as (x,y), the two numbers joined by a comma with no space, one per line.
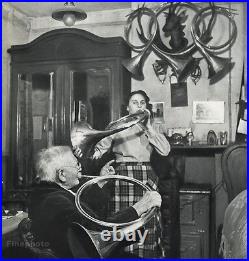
(149,200)
(106,170)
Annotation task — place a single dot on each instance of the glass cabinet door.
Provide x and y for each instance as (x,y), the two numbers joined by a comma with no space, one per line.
(91,96)
(34,122)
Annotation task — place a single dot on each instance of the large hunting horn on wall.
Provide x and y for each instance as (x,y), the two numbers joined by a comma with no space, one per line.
(180,56)
(134,64)
(218,66)
(182,61)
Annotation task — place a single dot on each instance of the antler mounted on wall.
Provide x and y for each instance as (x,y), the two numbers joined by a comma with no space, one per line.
(180,54)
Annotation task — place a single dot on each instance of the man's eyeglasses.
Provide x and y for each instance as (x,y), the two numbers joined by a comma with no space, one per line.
(78,167)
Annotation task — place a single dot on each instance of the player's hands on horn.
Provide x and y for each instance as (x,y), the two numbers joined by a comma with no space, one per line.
(147,127)
(149,200)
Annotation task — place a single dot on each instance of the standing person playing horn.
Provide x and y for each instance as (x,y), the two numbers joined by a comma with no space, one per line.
(132,148)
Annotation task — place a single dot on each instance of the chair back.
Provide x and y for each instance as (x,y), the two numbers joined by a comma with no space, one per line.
(234,234)
(32,248)
(25,233)
(233,163)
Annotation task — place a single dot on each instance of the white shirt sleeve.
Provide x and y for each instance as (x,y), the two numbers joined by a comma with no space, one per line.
(160,143)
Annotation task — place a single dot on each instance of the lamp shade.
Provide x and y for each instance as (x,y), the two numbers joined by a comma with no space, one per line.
(69,15)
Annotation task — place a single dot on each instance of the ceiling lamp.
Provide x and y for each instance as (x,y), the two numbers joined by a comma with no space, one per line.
(69,15)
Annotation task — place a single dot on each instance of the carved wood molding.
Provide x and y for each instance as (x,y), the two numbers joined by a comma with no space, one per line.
(69,44)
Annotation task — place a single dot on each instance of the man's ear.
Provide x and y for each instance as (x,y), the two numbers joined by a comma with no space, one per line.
(127,108)
(61,176)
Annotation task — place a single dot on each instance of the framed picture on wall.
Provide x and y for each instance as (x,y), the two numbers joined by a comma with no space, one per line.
(208,112)
(179,94)
(158,112)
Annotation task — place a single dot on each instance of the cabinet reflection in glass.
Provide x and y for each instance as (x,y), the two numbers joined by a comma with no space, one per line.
(92,98)
(35,110)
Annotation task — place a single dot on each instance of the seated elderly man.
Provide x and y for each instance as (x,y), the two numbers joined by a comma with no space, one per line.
(52,207)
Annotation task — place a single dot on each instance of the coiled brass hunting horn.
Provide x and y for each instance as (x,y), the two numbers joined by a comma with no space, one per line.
(81,236)
(182,61)
(83,136)
(218,66)
(180,56)
(134,64)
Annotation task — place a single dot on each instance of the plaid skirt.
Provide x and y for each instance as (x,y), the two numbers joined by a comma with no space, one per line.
(127,194)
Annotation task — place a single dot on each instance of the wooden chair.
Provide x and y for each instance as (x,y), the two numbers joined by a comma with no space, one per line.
(234,233)
(234,169)
(233,238)
(32,248)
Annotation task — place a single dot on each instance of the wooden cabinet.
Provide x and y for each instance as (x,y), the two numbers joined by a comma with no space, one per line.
(195,222)
(61,77)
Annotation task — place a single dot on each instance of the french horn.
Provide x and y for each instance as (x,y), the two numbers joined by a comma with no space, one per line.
(182,62)
(134,64)
(218,66)
(85,137)
(91,239)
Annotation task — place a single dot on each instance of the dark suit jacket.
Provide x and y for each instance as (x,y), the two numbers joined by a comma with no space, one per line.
(52,210)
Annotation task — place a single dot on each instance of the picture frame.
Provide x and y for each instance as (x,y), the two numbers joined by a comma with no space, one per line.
(179,94)
(157,112)
(208,112)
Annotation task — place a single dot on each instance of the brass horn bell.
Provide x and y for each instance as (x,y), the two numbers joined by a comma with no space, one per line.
(218,66)
(182,66)
(85,137)
(135,64)
(86,242)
